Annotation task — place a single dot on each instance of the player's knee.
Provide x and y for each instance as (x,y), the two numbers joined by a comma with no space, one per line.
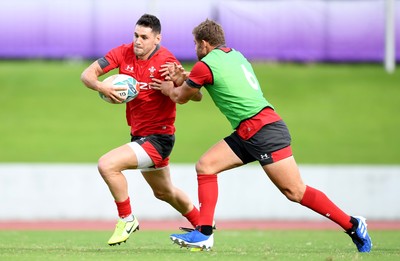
(204,166)
(162,195)
(104,166)
(292,195)
(201,167)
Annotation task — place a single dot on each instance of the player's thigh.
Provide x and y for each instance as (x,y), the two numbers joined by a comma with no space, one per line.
(286,176)
(119,159)
(218,158)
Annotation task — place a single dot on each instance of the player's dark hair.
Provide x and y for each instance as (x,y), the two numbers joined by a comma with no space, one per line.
(148,20)
(211,32)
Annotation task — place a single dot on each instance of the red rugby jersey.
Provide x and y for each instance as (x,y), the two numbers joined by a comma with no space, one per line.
(150,112)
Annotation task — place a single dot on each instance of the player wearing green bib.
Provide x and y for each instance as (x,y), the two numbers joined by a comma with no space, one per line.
(238,96)
(259,135)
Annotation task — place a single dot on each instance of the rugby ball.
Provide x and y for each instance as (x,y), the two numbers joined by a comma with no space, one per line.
(122,80)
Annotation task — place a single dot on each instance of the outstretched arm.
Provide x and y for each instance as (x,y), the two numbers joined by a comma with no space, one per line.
(181,94)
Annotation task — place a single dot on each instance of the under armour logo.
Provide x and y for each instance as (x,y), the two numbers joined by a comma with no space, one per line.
(264,156)
(129,68)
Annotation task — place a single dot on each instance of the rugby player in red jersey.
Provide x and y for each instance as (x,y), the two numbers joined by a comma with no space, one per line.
(151,117)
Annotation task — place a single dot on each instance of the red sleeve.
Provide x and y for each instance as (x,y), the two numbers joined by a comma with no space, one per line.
(172,59)
(113,58)
(200,75)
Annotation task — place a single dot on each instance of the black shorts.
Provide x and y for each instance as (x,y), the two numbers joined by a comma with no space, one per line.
(270,144)
(158,147)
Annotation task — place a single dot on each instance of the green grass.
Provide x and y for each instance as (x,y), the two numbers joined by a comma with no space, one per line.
(229,245)
(336,114)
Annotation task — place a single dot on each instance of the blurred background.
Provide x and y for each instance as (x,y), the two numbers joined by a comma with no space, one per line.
(287,30)
(329,67)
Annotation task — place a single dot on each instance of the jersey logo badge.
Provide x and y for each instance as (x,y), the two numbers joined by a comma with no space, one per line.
(152,70)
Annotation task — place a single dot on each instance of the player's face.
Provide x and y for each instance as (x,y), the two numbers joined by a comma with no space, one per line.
(145,41)
(201,51)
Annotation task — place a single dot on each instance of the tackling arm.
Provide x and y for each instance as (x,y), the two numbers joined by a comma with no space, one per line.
(181,94)
(176,73)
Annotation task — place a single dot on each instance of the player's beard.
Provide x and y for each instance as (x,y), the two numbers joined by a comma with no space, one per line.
(138,51)
(200,54)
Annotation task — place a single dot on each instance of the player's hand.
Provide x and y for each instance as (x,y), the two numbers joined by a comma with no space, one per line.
(163,86)
(110,91)
(173,72)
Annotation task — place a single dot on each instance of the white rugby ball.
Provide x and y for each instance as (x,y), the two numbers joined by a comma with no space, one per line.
(122,80)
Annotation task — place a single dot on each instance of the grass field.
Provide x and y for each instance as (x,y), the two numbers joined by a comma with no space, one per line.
(336,114)
(229,245)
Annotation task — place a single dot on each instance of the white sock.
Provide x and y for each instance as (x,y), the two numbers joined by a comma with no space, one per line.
(128,218)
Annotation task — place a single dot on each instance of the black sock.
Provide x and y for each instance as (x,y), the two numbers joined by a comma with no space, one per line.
(355,225)
(206,230)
